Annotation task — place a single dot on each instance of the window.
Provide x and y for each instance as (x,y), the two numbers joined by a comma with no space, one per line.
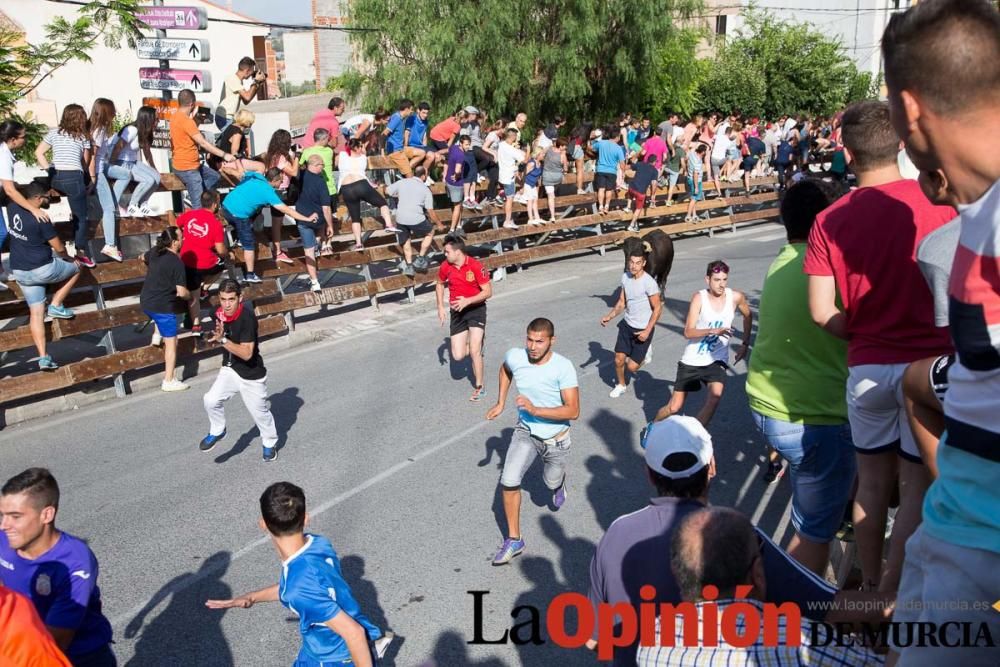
(720,24)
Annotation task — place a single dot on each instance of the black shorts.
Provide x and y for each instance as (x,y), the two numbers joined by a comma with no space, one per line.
(629,345)
(938,375)
(406,232)
(470,317)
(438,145)
(691,378)
(605,181)
(194,278)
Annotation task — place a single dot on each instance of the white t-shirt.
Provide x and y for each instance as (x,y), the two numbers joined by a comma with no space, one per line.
(354,122)
(789,124)
(6,163)
(508,155)
(351,167)
(721,145)
(543,142)
(129,152)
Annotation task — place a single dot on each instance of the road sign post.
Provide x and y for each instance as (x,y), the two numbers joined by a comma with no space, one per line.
(191,50)
(159,17)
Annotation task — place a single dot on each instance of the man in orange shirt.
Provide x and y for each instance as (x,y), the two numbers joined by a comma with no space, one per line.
(185,141)
(24,641)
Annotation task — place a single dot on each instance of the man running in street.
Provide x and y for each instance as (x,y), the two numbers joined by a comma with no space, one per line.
(549,399)
(333,628)
(242,371)
(469,287)
(640,299)
(708,328)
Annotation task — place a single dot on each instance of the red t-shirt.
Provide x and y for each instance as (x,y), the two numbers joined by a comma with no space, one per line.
(466,280)
(202,230)
(445,130)
(867,240)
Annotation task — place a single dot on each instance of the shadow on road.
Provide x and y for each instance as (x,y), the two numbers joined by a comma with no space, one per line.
(617,479)
(450,650)
(285,406)
(185,632)
(353,569)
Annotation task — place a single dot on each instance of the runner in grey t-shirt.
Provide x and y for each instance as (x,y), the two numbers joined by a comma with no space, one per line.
(640,299)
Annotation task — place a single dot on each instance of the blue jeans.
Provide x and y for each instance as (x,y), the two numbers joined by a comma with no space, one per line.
(197,181)
(3,229)
(822,467)
(70,183)
(146,179)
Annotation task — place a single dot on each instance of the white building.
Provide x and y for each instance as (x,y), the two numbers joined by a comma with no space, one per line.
(115,73)
(300,62)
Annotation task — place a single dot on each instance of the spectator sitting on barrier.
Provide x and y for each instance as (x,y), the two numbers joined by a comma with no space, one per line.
(234,94)
(327,120)
(395,144)
(355,187)
(185,141)
(131,159)
(71,150)
(415,133)
(314,202)
(321,147)
(416,205)
(163,292)
(234,140)
(34,267)
(443,135)
(11,139)
(202,250)
(244,203)
(280,156)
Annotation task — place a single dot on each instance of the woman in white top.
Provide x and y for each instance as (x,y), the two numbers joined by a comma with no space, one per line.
(708,329)
(71,149)
(131,159)
(354,187)
(103,138)
(358,127)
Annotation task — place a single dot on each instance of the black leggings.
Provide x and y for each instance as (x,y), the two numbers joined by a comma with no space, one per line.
(487,165)
(360,191)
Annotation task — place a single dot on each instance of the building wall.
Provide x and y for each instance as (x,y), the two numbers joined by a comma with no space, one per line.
(115,73)
(331,48)
(300,63)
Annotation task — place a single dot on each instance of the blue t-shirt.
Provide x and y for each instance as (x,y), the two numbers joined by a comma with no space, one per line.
(313,587)
(456,156)
(609,154)
(784,153)
(314,196)
(417,128)
(645,174)
(29,239)
(542,384)
(62,584)
(396,127)
(532,172)
(471,170)
(252,194)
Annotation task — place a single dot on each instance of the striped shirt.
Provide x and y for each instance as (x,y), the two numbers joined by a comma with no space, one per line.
(824,654)
(67,151)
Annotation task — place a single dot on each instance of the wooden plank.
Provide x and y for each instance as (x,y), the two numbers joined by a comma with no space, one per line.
(41,382)
(126,227)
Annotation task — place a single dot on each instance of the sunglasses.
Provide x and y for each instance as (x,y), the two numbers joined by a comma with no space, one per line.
(721,267)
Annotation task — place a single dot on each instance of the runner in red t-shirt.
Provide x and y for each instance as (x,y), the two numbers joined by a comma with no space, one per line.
(863,249)
(469,287)
(202,250)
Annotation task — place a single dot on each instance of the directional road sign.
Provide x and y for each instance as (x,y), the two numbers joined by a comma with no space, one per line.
(173,49)
(173,18)
(152,78)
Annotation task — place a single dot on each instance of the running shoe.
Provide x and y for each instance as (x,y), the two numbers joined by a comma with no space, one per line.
(618,390)
(173,385)
(270,454)
(634,227)
(510,224)
(420,264)
(477,394)
(775,470)
(196,330)
(112,252)
(46,364)
(146,212)
(60,312)
(210,440)
(469,205)
(133,211)
(381,644)
(479,205)
(510,549)
(559,497)
(408,270)
(314,286)
(283,257)
(251,278)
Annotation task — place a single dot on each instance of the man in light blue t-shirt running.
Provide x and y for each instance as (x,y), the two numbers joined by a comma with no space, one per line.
(549,399)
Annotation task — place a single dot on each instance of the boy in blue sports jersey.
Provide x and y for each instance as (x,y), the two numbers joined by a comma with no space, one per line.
(334,631)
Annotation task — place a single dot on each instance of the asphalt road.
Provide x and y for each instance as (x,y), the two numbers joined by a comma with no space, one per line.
(400,471)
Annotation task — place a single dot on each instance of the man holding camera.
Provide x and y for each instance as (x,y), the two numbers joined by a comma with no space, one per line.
(233,92)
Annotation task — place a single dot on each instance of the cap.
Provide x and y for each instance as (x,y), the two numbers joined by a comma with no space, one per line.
(676,435)
(471,109)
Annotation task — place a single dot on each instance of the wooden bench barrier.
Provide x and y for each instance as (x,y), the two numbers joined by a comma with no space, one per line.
(277,308)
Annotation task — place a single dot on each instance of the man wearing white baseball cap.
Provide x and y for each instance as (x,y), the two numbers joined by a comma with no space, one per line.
(636,549)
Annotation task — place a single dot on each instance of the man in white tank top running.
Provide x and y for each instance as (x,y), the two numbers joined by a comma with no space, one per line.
(708,329)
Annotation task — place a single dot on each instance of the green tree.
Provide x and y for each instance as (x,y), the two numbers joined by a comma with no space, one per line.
(24,66)
(802,70)
(673,82)
(734,82)
(544,57)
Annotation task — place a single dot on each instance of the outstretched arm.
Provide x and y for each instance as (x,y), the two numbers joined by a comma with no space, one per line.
(247,600)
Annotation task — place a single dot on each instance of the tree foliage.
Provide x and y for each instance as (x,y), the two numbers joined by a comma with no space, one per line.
(672,84)
(773,67)
(544,57)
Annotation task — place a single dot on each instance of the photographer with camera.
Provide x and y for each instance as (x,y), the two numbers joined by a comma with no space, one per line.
(234,94)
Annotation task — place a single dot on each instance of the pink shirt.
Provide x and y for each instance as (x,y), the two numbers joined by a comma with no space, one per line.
(328,121)
(655,146)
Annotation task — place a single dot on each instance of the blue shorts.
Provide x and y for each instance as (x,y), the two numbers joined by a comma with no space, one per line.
(244,230)
(821,464)
(694,189)
(34,282)
(672,177)
(166,323)
(308,235)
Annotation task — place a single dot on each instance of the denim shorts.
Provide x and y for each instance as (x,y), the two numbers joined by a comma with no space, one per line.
(694,189)
(523,450)
(821,464)
(672,176)
(244,230)
(308,235)
(166,323)
(509,189)
(34,282)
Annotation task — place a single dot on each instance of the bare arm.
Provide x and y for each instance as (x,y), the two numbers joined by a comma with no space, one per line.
(570,409)
(823,306)
(502,391)
(211,148)
(616,311)
(354,636)
(183,292)
(57,245)
(247,600)
(10,188)
(657,305)
(744,308)
(41,149)
(295,215)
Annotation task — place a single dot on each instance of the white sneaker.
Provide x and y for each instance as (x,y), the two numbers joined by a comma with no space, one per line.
(618,391)
(382,644)
(173,385)
(649,354)
(146,212)
(133,211)
(70,249)
(112,252)
(430,181)
(314,286)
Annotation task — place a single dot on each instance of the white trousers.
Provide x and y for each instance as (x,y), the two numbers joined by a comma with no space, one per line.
(254,395)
